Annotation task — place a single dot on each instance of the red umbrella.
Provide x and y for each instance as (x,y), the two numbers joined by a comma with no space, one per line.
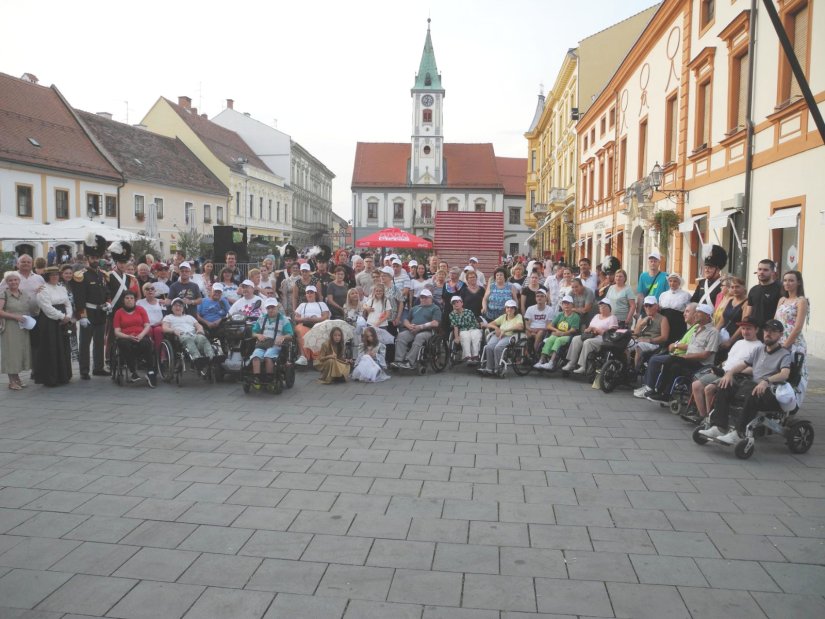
(394,237)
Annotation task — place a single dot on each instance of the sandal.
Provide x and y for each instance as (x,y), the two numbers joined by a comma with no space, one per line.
(15,387)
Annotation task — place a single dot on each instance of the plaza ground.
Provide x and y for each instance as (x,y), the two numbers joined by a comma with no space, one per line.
(446,496)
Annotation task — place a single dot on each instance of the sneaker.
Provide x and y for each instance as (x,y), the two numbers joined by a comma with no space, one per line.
(405,365)
(581,371)
(101,373)
(568,367)
(133,377)
(301,361)
(152,379)
(539,365)
(694,419)
(640,392)
(652,396)
(731,438)
(711,432)
(394,364)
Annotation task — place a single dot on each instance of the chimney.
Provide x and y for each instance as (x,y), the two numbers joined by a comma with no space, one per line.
(185,102)
(204,116)
(140,126)
(230,104)
(30,77)
(194,111)
(247,114)
(106,115)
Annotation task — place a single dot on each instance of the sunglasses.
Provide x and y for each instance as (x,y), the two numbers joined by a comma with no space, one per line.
(148,290)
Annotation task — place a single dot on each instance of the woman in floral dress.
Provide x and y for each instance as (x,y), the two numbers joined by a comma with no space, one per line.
(792,312)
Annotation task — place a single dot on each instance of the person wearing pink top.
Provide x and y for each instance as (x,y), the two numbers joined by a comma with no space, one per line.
(591,338)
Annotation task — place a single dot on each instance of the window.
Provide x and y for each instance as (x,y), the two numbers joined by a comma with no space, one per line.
(278,211)
(24,201)
(427,116)
(426,210)
(515,216)
(252,206)
(786,245)
(592,136)
(139,207)
(591,181)
(706,13)
(702,135)
(671,128)
(238,203)
(697,247)
(642,171)
(427,150)
(428,80)
(585,142)
(61,204)
(609,179)
(207,213)
(398,211)
(261,208)
(738,98)
(602,126)
(481,207)
(533,160)
(796,25)
(189,213)
(372,210)
(514,249)
(623,164)
(532,200)
(92,204)
(158,208)
(612,117)
(219,214)
(452,207)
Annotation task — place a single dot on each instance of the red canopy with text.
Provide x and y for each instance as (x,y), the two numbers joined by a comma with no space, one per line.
(394,237)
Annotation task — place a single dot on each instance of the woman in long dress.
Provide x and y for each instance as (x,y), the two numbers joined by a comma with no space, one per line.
(331,362)
(792,312)
(52,332)
(371,363)
(15,343)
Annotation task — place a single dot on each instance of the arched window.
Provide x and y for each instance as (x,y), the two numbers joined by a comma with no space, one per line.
(427,116)
(481,206)
(427,150)
(428,80)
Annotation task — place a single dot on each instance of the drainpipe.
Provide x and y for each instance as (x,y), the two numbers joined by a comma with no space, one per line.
(741,266)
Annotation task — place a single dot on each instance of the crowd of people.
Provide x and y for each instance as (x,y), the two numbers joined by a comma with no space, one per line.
(395,305)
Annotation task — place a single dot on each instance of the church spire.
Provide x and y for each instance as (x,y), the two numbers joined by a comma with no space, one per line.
(428,77)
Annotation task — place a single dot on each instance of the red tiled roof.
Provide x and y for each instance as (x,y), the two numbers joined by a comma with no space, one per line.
(380,164)
(31,111)
(513,173)
(147,156)
(225,144)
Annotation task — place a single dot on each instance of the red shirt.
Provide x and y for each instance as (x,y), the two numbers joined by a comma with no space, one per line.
(131,323)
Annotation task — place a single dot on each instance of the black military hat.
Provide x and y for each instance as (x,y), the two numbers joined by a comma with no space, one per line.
(717,257)
(121,251)
(290,252)
(611,264)
(94,245)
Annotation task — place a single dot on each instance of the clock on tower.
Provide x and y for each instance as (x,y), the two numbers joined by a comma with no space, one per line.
(427,100)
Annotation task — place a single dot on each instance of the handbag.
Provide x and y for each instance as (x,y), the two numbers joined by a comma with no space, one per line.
(5,303)
(265,344)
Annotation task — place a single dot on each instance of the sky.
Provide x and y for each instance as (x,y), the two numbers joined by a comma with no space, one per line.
(329,73)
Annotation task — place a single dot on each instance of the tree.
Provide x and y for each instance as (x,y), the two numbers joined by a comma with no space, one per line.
(145,245)
(189,242)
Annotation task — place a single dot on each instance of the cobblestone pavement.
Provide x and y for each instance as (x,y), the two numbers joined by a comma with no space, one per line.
(446,496)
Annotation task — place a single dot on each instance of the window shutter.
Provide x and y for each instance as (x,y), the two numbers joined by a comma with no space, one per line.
(706,114)
(742,101)
(800,46)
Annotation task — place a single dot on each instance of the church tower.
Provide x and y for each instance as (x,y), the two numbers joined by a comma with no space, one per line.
(427,160)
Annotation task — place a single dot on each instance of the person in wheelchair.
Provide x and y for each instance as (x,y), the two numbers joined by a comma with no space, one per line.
(590,340)
(189,334)
(271,331)
(706,385)
(562,329)
(132,328)
(768,366)
(684,359)
(510,323)
(537,318)
(423,320)
(466,331)
(651,332)
(213,310)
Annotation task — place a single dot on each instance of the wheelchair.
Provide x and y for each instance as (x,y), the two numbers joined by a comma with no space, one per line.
(283,371)
(797,432)
(516,355)
(435,354)
(617,369)
(173,362)
(227,339)
(118,368)
(456,354)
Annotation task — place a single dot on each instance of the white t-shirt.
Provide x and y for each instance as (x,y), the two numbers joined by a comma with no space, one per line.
(674,300)
(244,306)
(185,324)
(153,310)
(309,310)
(739,352)
(536,318)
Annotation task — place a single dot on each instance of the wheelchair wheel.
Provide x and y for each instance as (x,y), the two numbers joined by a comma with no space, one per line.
(289,376)
(277,384)
(611,375)
(675,405)
(744,449)
(166,361)
(522,360)
(246,386)
(439,357)
(591,368)
(800,436)
(699,439)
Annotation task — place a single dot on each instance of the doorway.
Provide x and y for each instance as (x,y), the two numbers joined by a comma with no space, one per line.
(636,264)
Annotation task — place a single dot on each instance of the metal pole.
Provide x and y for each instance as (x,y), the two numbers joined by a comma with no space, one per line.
(741,266)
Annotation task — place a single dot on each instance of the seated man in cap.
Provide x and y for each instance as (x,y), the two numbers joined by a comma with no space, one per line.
(465,330)
(189,334)
(705,387)
(767,365)
(249,304)
(424,319)
(684,358)
(213,310)
(186,289)
(271,330)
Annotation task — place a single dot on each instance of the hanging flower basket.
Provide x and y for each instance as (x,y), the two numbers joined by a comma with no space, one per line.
(665,223)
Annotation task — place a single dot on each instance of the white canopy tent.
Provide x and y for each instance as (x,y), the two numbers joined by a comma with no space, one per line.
(76,230)
(15,229)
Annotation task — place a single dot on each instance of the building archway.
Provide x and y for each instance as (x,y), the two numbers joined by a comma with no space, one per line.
(636,264)
(25,248)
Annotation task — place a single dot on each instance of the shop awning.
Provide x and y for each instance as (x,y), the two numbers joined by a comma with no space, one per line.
(546,223)
(687,225)
(606,237)
(785,218)
(719,222)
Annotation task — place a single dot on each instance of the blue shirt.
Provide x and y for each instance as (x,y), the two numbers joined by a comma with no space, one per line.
(422,314)
(211,310)
(656,287)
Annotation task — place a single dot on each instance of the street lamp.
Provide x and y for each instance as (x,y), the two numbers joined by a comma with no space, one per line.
(657,177)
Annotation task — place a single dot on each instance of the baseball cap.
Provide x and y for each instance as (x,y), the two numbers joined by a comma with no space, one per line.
(541,291)
(178,300)
(705,309)
(510,303)
(425,293)
(773,325)
(456,298)
(606,302)
(396,261)
(217,286)
(305,267)
(248,282)
(469,269)
(387,270)
(271,302)
(567,299)
(184,265)
(473,259)
(675,276)
(750,321)
(651,300)
(655,254)
(412,263)
(311,289)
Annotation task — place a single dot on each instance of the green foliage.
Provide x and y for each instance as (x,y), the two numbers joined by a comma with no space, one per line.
(6,262)
(145,245)
(666,222)
(189,242)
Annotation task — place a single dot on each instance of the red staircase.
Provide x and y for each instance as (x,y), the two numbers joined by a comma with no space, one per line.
(459,235)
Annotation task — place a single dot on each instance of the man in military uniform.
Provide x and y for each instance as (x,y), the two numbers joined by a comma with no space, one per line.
(289,255)
(322,276)
(708,288)
(90,295)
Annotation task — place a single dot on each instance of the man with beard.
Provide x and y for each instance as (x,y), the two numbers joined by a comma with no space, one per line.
(89,288)
(764,296)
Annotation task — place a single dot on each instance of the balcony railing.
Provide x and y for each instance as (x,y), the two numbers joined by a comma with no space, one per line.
(539,209)
(557,195)
(424,222)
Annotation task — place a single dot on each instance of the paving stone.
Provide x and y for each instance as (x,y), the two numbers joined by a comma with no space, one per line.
(401,554)
(288,606)
(499,592)
(259,497)
(806,579)
(26,588)
(37,553)
(87,595)
(755,524)
(560,537)
(470,510)
(159,534)
(223,540)
(800,549)
(720,603)
(159,509)
(287,576)
(211,513)
(583,565)
(655,570)
(537,562)
(646,601)
(322,522)
(595,516)
(573,597)
(499,534)
(780,605)
(338,549)
(308,499)
(683,544)
(157,564)
(729,574)
(439,530)
(49,524)
(150,600)
(95,558)
(747,547)
(424,587)
(360,503)
(276,544)
(216,570)
(466,558)
(414,506)
(442,612)
(362,583)
(387,527)
(269,518)
(10,518)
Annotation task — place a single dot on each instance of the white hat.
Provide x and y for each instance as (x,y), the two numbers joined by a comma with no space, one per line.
(311,289)
(270,302)
(606,302)
(651,300)
(675,276)
(425,293)
(248,282)
(412,263)
(567,299)
(530,266)
(387,270)
(469,269)
(456,298)
(655,254)
(178,300)
(305,267)
(266,284)
(217,286)
(396,261)
(786,397)
(473,259)
(541,291)
(510,303)
(705,308)
(184,265)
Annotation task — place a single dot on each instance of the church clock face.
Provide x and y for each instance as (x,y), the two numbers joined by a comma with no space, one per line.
(427,100)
